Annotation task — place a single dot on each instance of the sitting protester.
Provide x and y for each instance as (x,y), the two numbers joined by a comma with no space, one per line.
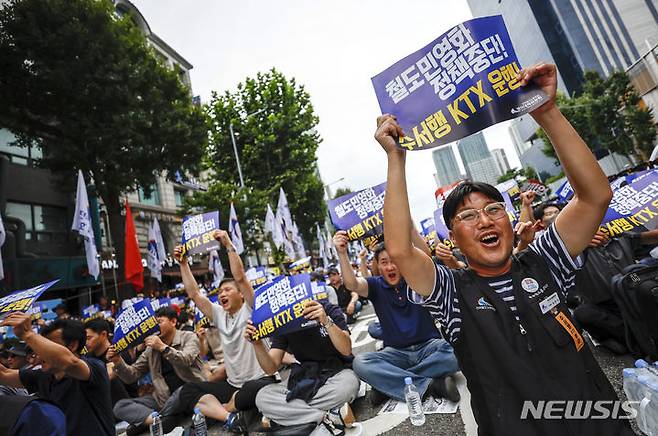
(98,344)
(80,386)
(172,359)
(348,300)
(321,384)
(224,399)
(211,348)
(413,346)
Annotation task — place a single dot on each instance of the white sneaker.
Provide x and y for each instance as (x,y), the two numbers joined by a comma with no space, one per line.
(342,417)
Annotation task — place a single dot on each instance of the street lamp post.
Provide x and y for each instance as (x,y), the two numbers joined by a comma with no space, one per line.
(235,147)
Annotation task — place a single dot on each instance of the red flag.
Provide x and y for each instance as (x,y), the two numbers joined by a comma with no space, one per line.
(133,262)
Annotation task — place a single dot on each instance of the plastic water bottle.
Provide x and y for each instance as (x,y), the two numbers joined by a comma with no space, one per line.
(645,368)
(631,384)
(199,423)
(648,413)
(414,403)
(156,425)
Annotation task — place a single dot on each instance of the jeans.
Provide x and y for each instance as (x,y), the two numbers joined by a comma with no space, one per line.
(375,330)
(386,370)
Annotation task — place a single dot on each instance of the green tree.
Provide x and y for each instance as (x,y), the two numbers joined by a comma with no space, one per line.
(342,191)
(524,173)
(276,146)
(83,83)
(608,115)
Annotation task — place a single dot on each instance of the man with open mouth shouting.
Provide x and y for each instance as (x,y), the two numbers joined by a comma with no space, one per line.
(506,315)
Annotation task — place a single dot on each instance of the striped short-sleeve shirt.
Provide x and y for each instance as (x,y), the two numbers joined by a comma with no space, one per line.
(443,302)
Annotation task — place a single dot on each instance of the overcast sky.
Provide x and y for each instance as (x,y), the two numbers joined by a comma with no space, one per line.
(333,48)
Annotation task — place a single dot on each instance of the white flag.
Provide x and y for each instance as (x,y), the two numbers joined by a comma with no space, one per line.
(216,268)
(322,245)
(2,241)
(156,249)
(82,225)
(234,231)
(273,226)
(298,241)
(331,250)
(283,211)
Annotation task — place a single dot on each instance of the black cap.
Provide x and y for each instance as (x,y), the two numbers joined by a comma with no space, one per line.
(332,270)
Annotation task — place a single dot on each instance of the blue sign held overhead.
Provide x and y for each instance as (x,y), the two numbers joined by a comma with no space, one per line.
(457,85)
(360,213)
(198,231)
(22,301)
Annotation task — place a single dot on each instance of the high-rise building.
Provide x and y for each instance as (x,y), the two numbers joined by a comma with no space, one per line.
(447,169)
(501,160)
(472,149)
(485,170)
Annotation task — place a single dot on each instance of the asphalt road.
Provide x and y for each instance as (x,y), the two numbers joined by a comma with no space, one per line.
(457,424)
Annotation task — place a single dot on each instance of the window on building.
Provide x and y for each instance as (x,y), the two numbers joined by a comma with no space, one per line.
(19,155)
(179,196)
(42,223)
(153,198)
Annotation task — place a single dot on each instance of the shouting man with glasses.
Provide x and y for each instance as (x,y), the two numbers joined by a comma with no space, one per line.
(527,366)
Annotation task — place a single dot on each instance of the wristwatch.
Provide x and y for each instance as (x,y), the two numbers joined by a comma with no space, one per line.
(329,323)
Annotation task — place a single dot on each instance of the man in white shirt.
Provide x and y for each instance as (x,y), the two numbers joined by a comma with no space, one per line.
(222,400)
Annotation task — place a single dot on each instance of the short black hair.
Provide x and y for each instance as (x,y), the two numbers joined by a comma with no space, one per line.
(379,249)
(226,280)
(99,325)
(72,330)
(538,212)
(167,311)
(456,197)
(317,276)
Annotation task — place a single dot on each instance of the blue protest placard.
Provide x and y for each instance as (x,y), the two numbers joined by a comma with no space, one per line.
(21,301)
(197,233)
(457,85)
(257,276)
(278,305)
(157,303)
(634,206)
(134,324)
(90,312)
(360,213)
(442,231)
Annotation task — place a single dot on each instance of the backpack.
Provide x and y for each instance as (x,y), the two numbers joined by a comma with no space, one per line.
(27,415)
(636,293)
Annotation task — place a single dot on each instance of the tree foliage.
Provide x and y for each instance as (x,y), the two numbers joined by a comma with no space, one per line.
(342,191)
(608,114)
(83,83)
(525,173)
(274,127)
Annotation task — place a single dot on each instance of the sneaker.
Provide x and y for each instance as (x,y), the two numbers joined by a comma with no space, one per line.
(235,424)
(444,387)
(342,417)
